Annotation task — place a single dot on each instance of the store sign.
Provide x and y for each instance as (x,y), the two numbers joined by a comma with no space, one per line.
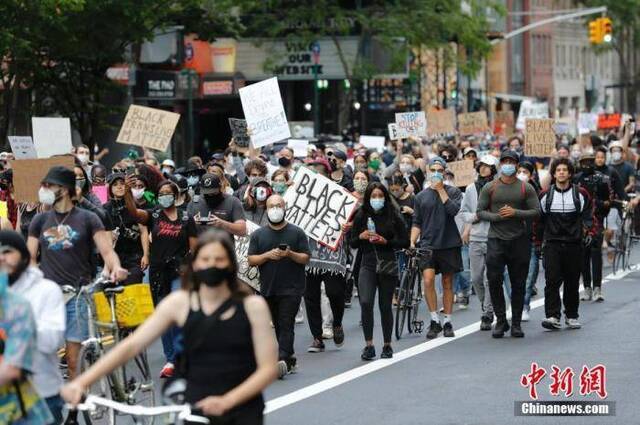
(155,84)
(214,88)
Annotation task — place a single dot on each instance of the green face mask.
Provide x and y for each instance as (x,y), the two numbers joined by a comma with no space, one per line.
(374,164)
(279,187)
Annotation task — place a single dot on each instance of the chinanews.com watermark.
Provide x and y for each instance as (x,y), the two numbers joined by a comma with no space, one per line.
(589,381)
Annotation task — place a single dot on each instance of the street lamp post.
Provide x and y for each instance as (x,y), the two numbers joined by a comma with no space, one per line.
(189,73)
(315,48)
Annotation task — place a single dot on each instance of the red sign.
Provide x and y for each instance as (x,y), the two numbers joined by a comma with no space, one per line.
(592,380)
(606,121)
(213,88)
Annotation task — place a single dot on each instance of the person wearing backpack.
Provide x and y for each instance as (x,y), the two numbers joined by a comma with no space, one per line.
(566,223)
(507,203)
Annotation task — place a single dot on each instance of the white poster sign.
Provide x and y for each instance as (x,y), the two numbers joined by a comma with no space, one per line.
(412,123)
(263,110)
(246,273)
(51,136)
(23,147)
(299,147)
(531,109)
(587,122)
(394,132)
(373,142)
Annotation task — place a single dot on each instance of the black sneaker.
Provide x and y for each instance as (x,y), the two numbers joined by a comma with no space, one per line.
(448,330)
(485,323)
(501,327)
(338,336)
(434,329)
(317,346)
(387,352)
(516,331)
(292,364)
(368,353)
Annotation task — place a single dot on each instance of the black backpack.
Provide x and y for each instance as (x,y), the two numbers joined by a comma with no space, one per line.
(575,194)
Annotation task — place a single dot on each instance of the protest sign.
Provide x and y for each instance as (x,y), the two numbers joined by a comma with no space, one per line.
(565,125)
(531,109)
(28,173)
(324,259)
(301,129)
(263,110)
(4,210)
(394,132)
(411,124)
(299,147)
(101,192)
(609,121)
(472,123)
(373,142)
(539,137)
(23,147)
(503,123)
(463,171)
(440,122)
(587,122)
(148,128)
(318,206)
(51,136)
(239,132)
(246,273)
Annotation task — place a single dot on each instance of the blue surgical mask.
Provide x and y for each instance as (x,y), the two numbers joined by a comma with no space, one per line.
(192,180)
(376,203)
(508,169)
(436,176)
(166,201)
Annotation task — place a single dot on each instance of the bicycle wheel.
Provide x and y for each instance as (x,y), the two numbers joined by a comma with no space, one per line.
(402,301)
(102,388)
(416,325)
(628,228)
(138,384)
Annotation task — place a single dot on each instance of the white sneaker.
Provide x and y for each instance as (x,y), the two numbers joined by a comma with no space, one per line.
(327,334)
(597,294)
(300,317)
(572,323)
(586,296)
(551,323)
(525,315)
(282,369)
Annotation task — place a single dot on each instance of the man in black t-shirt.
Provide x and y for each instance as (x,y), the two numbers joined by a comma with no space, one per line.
(281,251)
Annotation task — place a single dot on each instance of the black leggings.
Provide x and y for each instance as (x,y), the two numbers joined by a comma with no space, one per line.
(334,287)
(368,282)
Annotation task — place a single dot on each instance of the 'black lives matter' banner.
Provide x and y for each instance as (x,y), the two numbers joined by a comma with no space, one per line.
(319,206)
(246,273)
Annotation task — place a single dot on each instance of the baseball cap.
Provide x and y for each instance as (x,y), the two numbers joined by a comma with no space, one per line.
(62,176)
(615,144)
(438,160)
(508,153)
(340,155)
(489,160)
(209,184)
(469,150)
(169,163)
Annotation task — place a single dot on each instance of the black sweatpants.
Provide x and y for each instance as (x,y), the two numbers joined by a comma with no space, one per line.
(592,264)
(368,283)
(514,254)
(334,285)
(561,268)
(283,313)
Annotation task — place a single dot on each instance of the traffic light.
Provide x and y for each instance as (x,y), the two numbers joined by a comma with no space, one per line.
(595,36)
(600,31)
(606,29)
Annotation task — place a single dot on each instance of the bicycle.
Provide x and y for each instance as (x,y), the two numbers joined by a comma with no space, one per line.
(132,383)
(409,296)
(625,238)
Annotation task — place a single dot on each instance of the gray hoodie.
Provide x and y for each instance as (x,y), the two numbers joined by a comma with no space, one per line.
(479,229)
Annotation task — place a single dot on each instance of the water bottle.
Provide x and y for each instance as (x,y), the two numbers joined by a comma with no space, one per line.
(371,226)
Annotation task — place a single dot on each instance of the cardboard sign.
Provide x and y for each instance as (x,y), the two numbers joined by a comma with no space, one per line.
(263,110)
(394,132)
(531,109)
(246,273)
(587,122)
(239,132)
(324,259)
(472,123)
(441,122)
(412,124)
(539,137)
(319,206)
(101,192)
(372,142)
(4,210)
(23,147)
(148,128)
(464,172)
(51,136)
(299,147)
(28,173)
(565,125)
(609,121)
(504,123)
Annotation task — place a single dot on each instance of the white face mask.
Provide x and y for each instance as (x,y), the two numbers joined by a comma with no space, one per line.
(83,158)
(616,156)
(276,215)
(406,168)
(137,193)
(523,177)
(46,196)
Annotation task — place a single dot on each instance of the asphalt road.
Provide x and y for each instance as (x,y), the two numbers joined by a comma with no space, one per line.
(470,379)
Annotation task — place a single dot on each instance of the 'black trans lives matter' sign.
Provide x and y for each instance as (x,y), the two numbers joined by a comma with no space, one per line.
(319,206)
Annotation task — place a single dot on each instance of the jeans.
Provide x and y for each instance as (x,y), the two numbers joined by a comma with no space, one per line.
(55,405)
(77,320)
(335,289)
(283,313)
(461,280)
(561,268)
(162,277)
(368,283)
(532,277)
(592,266)
(515,255)
(477,262)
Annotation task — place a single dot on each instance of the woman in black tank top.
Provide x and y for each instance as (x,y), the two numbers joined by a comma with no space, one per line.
(230,353)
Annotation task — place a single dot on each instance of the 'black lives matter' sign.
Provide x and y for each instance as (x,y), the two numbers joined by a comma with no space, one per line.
(319,206)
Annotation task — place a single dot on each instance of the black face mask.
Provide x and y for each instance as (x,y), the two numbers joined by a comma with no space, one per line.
(484,180)
(213,200)
(284,162)
(13,277)
(334,164)
(587,169)
(212,277)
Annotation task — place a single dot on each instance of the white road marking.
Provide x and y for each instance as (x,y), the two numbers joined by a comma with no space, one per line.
(350,375)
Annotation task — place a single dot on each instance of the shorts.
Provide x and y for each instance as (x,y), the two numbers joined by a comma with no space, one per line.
(443,261)
(77,320)
(613,219)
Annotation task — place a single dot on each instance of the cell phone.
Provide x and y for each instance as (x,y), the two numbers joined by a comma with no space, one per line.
(283,247)
(130,170)
(204,219)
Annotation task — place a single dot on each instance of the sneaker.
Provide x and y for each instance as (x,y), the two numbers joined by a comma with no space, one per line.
(525,314)
(167,370)
(368,353)
(347,303)
(292,365)
(299,317)
(552,323)
(327,333)
(338,336)
(597,294)
(485,323)
(434,329)
(516,331)
(317,346)
(586,296)
(448,330)
(572,323)
(464,303)
(500,328)
(534,291)
(282,369)
(387,352)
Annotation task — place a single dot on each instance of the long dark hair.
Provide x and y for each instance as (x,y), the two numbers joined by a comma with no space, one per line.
(238,290)
(389,205)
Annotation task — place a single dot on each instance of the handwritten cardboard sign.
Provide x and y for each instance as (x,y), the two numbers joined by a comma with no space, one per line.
(441,122)
(587,122)
(28,174)
(539,137)
(372,142)
(504,123)
(324,259)
(531,109)
(239,132)
(463,171)
(148,127)
(318,206)
(609,121)
(412,123)
(246,273)
(472,123)
(264,112)
(51,136)
(22,147)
